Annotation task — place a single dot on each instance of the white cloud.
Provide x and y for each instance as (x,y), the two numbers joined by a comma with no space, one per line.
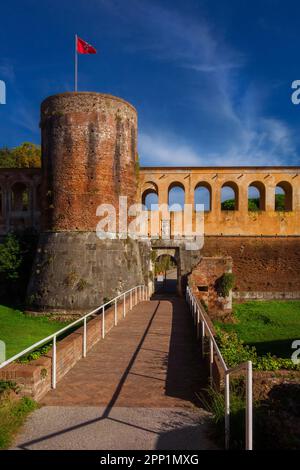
(157,149)
(269,142)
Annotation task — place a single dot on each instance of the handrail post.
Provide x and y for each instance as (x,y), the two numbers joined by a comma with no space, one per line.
(211,361)
(116,313)
(103,323)
(124,306)
(227,411)
(198,323)
(84,338)
(202,338)
(54,363)
(131,300)
(136,296)
(249,408)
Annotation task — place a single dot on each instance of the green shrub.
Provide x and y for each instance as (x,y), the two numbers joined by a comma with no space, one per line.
(16,258)
(10,258)
(12,416)
(36,354)
(225,283)
(214,402)
(7,385)
(234,351)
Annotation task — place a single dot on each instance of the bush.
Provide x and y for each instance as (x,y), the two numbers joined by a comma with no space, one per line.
(12,416)
(16,258)
(214,402)
(10,258)
(234,351)
(225,283)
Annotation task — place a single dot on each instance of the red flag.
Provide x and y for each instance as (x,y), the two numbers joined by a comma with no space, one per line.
(84,48)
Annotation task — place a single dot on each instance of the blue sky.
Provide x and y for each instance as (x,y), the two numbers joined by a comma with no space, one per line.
(211,79)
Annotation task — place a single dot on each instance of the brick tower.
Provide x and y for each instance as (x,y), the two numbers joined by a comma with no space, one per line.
(89,157)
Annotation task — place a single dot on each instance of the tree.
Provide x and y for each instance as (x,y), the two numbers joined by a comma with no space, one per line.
(10,258)
(7,159)
(26,155)
(228,205)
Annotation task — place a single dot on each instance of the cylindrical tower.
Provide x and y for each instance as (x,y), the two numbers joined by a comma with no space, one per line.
(88,158)
(89,151)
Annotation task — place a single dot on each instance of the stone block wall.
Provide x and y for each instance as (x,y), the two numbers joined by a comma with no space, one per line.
(75,272)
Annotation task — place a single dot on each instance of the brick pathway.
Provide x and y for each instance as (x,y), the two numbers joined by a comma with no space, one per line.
(150,359)
(134,390)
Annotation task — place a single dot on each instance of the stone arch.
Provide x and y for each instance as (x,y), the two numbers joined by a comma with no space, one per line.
(230,196)
(176,196)
(20,197)
(203,195)
(171,279)
(256,196)
(150,195)
(284,196)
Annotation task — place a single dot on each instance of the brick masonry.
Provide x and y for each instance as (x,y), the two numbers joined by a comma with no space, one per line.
(34,379)
(203,281)
(89,157)
(261,264)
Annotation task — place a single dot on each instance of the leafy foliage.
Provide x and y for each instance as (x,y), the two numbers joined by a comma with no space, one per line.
(228,205)
(225,283)
(235,351)
(12,416)
(163,264)
(10,258)
(35,354)
(26,155)
(280,202)
(7,385)
(16,258)
(270,326)
(214,402)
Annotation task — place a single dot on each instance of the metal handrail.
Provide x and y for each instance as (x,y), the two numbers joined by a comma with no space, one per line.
(141,292)
(200,321)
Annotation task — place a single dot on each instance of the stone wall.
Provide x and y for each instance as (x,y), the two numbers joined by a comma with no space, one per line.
(260,264)
(203,282)
(75,271)
(19,185)
(265,221)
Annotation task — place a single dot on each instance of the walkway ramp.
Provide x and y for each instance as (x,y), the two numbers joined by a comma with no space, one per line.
(135,390)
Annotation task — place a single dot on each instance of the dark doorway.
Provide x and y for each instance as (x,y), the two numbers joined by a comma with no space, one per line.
(166,275)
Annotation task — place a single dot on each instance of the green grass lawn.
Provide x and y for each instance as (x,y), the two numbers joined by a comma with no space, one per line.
(270,326)
(20,331)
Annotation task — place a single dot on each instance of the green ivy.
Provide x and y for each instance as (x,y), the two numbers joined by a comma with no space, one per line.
(225,283)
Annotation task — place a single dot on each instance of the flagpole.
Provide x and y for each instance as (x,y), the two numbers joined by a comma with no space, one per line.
(76,65)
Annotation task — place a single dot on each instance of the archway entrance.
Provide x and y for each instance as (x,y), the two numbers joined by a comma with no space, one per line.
(166,274)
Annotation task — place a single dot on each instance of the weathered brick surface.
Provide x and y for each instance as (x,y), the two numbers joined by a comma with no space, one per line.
(265,264)
(34,379)
(205,275)
(89,157)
